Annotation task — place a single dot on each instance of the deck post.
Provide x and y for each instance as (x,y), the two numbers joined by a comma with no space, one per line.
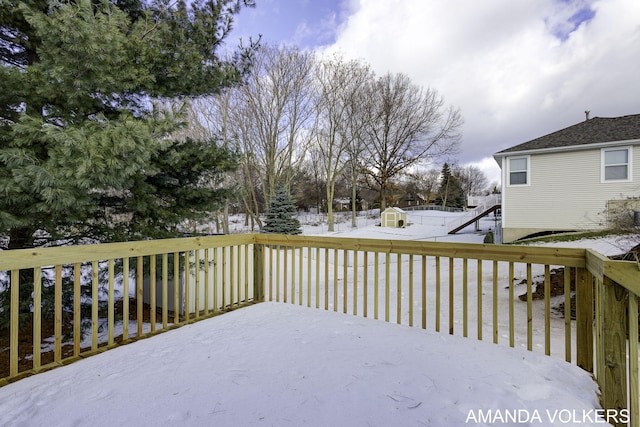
(613,381)
(584,319)
(258,273)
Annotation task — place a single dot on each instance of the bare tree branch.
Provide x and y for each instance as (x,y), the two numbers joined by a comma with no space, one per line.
(407,125)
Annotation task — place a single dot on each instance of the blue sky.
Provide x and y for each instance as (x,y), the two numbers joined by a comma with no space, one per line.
(579,13)
(517,70)
(307,23)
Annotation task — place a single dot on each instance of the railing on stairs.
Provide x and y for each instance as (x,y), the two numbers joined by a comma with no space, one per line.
(485,204)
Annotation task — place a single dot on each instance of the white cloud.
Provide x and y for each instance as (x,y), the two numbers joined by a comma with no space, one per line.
(517,70)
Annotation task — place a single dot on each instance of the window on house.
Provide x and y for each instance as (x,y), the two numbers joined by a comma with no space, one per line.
(615,164)
(519,171)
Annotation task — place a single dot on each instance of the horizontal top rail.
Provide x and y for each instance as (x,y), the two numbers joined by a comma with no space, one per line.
(488,200)
(37,257)
(573,257)
(528,254)
(624,273)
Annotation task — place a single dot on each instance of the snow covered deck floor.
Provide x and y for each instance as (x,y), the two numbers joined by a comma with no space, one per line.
(278,364)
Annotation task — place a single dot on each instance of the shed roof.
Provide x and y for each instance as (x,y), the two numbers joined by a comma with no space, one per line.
(597,130)
(398,210)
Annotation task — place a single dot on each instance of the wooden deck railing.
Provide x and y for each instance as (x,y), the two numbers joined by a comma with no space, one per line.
(463,289)
(118,275)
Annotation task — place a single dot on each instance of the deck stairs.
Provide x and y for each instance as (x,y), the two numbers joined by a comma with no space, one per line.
(486,206)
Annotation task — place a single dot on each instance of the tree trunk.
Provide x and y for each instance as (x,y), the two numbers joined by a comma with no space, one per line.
(446,195)
(225,218)
(330,220)
(20,238)
(249,203)
(354,207)
(383,197)
(318,198)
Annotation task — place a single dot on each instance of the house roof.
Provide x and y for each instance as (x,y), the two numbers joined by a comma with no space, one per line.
(597,130)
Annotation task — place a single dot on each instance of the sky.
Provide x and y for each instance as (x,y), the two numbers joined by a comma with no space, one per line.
(280,364)
(516,70)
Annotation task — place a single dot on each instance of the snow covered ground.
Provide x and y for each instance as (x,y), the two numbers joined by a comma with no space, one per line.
(277,364)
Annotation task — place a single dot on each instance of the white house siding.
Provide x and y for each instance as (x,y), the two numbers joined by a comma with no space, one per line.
(565,193)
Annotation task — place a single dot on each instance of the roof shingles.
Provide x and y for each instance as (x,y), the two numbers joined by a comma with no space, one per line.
(593,131)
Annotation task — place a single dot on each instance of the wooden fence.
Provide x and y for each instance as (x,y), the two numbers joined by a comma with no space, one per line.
(463,289)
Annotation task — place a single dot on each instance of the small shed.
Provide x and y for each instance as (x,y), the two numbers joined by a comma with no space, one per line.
(394,217)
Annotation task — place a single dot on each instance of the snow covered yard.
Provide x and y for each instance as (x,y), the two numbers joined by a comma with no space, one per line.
(277,364)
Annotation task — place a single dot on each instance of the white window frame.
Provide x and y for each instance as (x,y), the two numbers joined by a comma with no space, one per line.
(603,166)
(528,171)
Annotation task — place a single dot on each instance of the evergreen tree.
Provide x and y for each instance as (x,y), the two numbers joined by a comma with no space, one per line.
(281,214)
(450,193)
(85,131)
(91,92)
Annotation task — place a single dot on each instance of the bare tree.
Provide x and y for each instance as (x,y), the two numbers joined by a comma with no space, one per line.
(407,124)
(310,182)
(426,182)
(356,118)
(271,116)
(472,180)
(339,85)
(279,113)
(227,114)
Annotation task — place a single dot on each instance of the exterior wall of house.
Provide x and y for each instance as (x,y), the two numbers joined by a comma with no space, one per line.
(564,193)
